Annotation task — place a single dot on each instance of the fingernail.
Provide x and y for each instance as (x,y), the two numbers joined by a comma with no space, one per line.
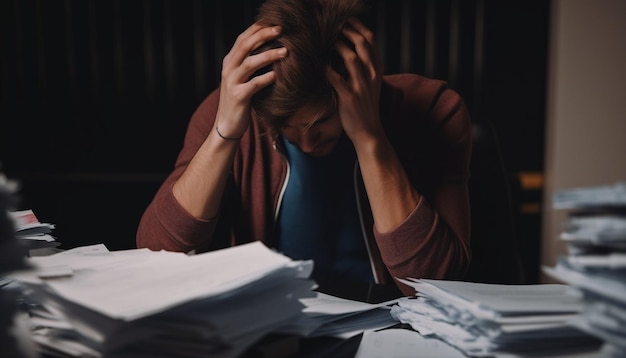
(282,51)
(276,29)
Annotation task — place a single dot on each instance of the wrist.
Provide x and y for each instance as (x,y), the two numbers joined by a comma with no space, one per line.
(227,137)
(372,147)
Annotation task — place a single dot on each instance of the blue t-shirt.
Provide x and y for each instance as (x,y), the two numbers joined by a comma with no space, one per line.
(319,217)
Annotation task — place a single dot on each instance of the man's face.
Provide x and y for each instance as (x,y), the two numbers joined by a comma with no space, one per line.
(315,129)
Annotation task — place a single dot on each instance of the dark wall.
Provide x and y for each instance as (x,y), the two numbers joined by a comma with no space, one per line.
(96,94)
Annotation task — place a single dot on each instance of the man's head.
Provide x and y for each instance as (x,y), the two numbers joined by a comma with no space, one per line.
(310,30)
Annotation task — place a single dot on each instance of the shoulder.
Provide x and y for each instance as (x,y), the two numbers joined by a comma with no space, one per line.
(414,81)
(408,94)
(423,92)
(425,107)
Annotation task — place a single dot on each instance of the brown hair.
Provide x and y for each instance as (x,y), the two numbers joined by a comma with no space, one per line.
(310,29)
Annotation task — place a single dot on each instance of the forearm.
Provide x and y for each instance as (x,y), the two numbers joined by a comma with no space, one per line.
(424,246)
(200,188)
(165,225)
(416,238)
(392,196)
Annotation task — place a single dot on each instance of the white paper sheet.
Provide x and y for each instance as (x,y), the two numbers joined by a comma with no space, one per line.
(403,343)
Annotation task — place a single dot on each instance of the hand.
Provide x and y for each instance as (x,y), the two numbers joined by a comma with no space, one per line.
(359,94)
(237,86)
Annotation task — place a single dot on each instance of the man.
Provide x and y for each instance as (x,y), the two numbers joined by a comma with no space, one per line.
(308,147)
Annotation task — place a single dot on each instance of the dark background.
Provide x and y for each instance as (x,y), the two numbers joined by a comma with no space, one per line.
(96,95)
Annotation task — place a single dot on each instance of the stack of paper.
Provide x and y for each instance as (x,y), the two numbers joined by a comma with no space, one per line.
(595,234)
(326,315)
(14,338)
(31,232)
(604,196)
(139,303)
(485,319)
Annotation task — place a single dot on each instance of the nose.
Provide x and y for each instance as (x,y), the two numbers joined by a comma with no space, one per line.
(308,139)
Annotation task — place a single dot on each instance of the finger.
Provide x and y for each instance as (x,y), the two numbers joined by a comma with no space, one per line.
(368,35)
(351,61)
(258,82)
(250,40)
(255,65)
(363,50)
(336,80)
(245,34)
(362,29)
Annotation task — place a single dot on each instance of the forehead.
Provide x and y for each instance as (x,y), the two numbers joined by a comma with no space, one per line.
(311,112)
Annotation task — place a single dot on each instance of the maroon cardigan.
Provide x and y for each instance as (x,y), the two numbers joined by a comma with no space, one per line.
(428,125)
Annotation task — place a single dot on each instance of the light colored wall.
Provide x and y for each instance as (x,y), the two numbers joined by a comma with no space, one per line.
(586,106)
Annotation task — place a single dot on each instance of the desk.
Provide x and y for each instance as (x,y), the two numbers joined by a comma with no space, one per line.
(330,347)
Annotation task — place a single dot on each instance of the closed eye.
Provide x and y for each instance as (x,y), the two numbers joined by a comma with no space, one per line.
(326,118)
